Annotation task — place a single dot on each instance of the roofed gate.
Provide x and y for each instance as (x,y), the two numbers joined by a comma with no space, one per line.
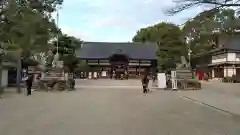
(125,57)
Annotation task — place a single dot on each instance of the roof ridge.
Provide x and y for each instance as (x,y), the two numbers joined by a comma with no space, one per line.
(104,42)
(135,50)
(133,43)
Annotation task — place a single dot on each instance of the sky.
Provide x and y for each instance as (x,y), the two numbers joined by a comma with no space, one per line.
(115,20)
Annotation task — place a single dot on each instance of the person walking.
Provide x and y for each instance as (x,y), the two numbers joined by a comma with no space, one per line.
(145,81)
(29,82)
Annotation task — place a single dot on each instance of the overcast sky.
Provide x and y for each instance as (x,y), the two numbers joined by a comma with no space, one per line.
(115,20)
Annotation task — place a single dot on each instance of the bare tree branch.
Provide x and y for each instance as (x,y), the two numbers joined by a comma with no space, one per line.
(186,4)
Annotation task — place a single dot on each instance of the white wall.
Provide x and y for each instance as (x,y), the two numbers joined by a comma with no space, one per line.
(231,57)
(229,71)
(224,40)
(219,58)
(238,57)
(226,57)
(4,77)
(225,72)
(213,73)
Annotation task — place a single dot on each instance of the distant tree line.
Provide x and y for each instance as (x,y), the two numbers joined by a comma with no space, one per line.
(28,27)
(196,34)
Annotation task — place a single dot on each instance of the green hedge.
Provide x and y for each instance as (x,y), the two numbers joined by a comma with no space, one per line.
(233,79)
(227,79)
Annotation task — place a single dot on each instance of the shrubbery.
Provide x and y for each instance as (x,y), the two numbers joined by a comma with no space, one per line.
(227,79)
(232,79)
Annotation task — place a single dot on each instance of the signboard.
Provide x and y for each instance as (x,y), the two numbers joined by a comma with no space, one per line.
(145,61)
(161,80)
(92,61)
(145,64)
(174,80)
(90,75)
(95,74)
(120,69)
(134,61)
(133,64)
(105,64)
(104,73)
(132,69)
(104,61)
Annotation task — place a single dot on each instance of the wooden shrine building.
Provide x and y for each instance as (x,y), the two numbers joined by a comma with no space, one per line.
(106,60)
(224,60)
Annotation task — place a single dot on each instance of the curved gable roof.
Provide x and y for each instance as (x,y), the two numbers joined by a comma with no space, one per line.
(103,50)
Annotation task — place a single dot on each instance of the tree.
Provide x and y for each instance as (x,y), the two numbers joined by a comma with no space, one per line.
(170,43)
(46,6)
(26,29)
(182,5)
(66,46)
(199,30)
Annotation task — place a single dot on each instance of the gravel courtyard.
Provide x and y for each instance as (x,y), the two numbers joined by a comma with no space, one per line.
(119,110)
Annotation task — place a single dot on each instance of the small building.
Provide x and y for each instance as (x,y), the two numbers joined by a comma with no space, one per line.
(224,60)
(106,59)
(7,67)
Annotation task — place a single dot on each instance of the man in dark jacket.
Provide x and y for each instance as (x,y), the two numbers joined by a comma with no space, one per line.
(145,81)
(29,82)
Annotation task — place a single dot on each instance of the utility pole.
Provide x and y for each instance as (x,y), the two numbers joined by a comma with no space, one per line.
(19,71)
(189,57)
(56,56)
(58,32)
(2,54)
(187,40)
(1,67)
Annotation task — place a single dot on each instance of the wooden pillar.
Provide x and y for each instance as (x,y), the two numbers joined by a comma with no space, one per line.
(139,67)
(87,71)
(136,69)
(225,67)
(234,69)
(213,73)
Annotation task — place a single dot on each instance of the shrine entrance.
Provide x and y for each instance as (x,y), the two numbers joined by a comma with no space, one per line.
(119,66)
(117,60)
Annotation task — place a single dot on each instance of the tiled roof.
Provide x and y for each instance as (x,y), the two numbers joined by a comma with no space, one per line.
(233,45)
(103,50)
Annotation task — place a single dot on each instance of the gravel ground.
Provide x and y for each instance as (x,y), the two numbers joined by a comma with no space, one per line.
(111,111)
